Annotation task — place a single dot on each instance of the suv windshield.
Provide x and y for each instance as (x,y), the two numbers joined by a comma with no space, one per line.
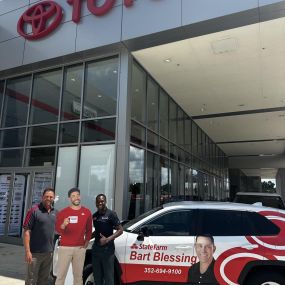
(268,201)
(142,216)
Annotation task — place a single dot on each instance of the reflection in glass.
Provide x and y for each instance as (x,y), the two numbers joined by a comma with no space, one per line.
(100,94)
(71,97)
(97,164)
(163,114)
(11,158)
(13,137)
(152,105)
(164,180)
(45,97)
(1,92)
(68,133)
(98,130)
(173,181)
(172,121)
(43,156)
(164,146)
(152,141)
(180,127)
(188,134)
(42,135)
(152,181)
(65,174)
(16,101)
(188,184)
(137,134)
(138,94)
(6,181)
(136,178)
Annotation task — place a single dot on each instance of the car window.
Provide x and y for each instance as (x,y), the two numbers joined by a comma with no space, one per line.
(259,225)
(174,223)
(234,223)
(140,217)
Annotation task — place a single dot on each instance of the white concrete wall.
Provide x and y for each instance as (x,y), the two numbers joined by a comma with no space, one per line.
(145,17)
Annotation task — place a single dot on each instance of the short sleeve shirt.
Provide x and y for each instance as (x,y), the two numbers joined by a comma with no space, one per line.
(104,224)
(41,223)
(207,278)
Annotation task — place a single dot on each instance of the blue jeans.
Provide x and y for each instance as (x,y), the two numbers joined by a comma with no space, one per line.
(103,265)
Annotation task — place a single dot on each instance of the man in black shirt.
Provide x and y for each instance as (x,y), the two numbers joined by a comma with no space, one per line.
(104,221)
(203,271)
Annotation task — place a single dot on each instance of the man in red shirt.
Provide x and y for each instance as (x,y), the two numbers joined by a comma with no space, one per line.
(74,224)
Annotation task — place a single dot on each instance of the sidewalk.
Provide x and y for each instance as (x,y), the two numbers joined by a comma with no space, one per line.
(12,265)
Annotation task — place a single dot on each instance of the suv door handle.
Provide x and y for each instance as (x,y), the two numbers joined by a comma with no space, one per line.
(183,246)
(250,246)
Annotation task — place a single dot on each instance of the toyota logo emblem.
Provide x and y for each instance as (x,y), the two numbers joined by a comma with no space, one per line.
(40,20)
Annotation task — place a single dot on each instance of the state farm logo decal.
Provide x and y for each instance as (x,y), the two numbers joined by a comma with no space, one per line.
(42,18)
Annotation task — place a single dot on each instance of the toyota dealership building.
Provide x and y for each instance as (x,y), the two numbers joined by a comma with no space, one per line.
(80,108)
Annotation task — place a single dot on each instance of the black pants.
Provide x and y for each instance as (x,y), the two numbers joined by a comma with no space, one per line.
(103,265)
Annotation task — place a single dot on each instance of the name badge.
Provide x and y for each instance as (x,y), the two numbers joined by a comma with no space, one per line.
(73,219)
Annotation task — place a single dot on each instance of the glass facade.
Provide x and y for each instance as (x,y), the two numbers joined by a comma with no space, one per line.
(42,111)
(64,117)
(171,158)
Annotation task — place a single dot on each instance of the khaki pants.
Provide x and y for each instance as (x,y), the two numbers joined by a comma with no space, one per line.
(75,256)
(38,271)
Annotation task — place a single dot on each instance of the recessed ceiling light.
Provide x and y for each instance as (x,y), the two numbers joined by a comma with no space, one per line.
(283,100)
(99,95)
(115,71)
(137,90)
(241,105)
(168,60)
(73,79)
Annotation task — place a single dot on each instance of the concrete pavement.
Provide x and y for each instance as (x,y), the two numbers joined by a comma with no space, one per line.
(12,265)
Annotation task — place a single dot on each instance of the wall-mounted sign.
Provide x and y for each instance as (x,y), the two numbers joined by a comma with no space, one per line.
(44,17)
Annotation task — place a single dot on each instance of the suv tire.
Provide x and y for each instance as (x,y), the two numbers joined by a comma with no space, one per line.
(265,278)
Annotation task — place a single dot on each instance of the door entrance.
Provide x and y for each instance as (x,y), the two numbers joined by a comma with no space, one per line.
(20,190)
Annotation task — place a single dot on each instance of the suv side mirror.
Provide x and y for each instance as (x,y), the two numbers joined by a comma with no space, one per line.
(143,232)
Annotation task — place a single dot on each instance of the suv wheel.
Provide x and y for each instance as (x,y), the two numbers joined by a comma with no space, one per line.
(88,275)
(266,278)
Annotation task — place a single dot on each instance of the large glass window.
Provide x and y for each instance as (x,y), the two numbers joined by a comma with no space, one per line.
(13,137)
(138,134)
(2,84)
(163,114)
(42,135)
(43,156)
(45,97)
(71,96)
(152,105)
(68,133)
(98,130)
(172,121)
(11,158)
(16,103)
(152,181)
(96,173)
(180,127)
(65,174)
(138,94)
(100,94)
(164,180)
(136,180)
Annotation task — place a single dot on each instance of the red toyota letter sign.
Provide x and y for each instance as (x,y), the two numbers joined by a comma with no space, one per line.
(44,17)
(38,17)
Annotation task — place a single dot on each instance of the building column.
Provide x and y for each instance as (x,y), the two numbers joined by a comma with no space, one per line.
(123,135)
(280,182)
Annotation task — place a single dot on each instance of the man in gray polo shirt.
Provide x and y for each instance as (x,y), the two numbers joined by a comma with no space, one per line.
(39,228)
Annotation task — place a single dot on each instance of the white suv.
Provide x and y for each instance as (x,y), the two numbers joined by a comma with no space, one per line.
(158,247)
